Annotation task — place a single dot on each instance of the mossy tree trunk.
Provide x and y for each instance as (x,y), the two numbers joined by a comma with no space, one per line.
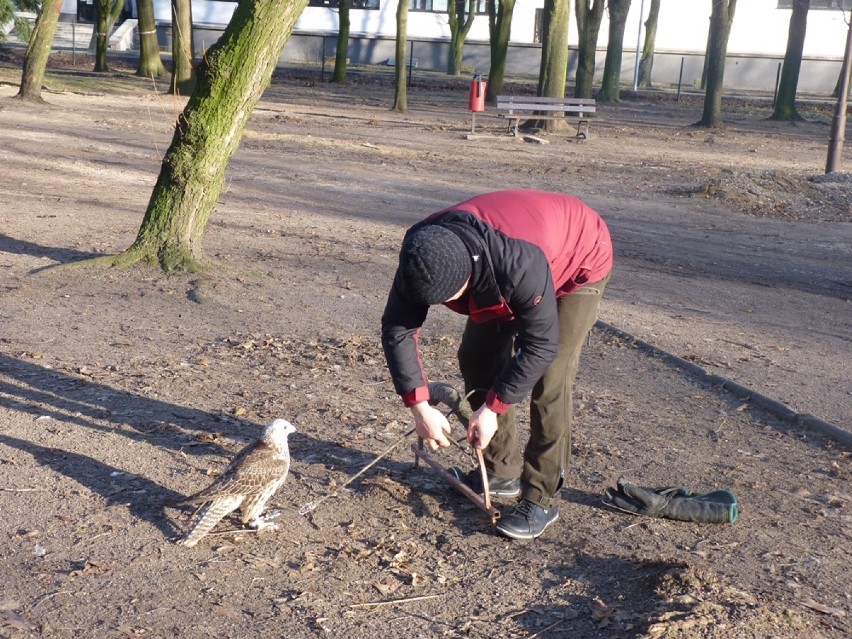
(785,101)
(646,62)
(460,23)
(150,62)
(400,100)
(340,65)
(183,49)
(589,16)
(107,13)
(102,11)
(500,27)
(38,51)
(618,10)
(231,79)
(720,28)
(553,69)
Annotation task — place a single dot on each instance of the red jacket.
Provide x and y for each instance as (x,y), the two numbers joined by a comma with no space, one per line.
(528,247)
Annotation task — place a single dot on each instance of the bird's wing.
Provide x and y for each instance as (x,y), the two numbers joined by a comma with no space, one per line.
(246,475)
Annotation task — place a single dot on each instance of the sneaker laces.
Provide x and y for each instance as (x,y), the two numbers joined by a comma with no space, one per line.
(525,507)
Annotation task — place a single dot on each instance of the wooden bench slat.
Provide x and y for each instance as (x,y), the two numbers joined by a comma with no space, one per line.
(528,98)
(547,107)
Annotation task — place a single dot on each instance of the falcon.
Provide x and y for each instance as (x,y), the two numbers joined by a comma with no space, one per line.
(249,481)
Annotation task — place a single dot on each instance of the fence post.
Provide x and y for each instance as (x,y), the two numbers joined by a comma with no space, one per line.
(322,55)
(410,61)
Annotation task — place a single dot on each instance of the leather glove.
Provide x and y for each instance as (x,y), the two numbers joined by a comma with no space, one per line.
(681,504)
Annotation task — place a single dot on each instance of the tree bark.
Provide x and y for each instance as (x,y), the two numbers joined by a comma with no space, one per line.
(38,51)
(103,8)
(150,62)
(553,69)
(107,13)
(500,26)
(838,87)
(231,79)
(459,28)
(618,10)
(785,101)
(717,46)
(183,49)
(589,18)
(646,62)
(400,100)
(342,42)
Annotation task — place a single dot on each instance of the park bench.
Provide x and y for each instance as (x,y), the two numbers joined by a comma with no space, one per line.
(523,107)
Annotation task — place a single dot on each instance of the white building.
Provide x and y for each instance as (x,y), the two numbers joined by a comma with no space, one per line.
(755,49)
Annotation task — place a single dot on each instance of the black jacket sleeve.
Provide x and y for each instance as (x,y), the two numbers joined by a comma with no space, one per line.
(401,324)
(533,302)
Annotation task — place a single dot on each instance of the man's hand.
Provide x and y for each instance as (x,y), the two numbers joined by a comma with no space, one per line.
(482,427)
(431,425)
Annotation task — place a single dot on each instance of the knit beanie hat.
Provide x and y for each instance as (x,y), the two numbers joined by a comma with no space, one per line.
(434,264)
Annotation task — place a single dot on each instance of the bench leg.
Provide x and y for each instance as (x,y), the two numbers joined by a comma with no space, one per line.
(583,129)
(513,126)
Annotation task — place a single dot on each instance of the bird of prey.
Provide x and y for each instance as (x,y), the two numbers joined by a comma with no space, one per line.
(248,482)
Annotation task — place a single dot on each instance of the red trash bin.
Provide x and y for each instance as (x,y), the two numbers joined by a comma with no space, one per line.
(477,94)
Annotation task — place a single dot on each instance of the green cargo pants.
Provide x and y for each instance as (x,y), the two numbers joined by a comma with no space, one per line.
(484,351)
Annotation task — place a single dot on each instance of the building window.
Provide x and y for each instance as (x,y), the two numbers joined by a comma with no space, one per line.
(846,5)
(356,4)
(440,6)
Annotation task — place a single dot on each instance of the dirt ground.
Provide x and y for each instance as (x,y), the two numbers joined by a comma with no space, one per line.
(123,391)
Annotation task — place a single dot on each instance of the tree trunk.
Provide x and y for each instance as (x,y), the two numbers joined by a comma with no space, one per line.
(588,26)
(150,62)
(231,79)
(618,10)
(183,49)
(38,51)
(500,23)
(400,100)
(107,13)
(103,8)
(839,85)
(554,58)
(342,42)
(703,85)
(460,24)
(646,62)
(720,28)
(785,101)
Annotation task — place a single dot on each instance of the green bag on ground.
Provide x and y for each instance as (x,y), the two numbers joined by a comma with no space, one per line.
(681,504)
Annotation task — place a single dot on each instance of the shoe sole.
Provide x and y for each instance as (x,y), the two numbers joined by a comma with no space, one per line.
(514,535)
(503,493)
(491,491)
(500,493)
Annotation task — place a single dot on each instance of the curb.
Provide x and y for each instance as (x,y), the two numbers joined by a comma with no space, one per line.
(770,405)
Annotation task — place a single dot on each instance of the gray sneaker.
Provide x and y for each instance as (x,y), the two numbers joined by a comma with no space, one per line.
(497,487)
(527,521)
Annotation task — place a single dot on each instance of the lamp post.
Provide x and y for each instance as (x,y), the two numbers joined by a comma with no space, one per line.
(838,124)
